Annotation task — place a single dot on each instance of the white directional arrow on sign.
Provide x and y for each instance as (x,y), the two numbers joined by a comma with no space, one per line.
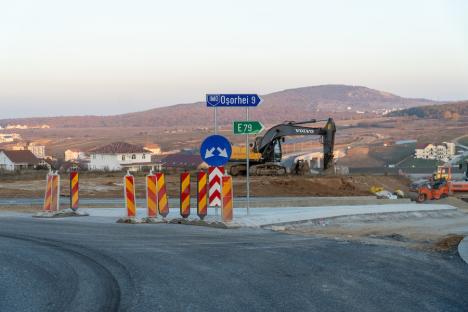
(222,152)
(209,152)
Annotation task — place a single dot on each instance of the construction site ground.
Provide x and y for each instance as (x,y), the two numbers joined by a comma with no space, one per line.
(110,185)
(435,230)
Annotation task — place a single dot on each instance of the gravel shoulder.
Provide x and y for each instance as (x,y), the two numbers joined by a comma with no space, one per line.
(439,231)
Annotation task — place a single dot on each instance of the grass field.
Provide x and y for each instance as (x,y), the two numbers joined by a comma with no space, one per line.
(392,154)
(420,163)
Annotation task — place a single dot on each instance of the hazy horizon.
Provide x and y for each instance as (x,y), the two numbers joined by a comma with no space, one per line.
(112,57)
(191,102)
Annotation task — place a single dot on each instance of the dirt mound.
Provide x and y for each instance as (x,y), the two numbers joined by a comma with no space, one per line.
(319,185)
(110,186)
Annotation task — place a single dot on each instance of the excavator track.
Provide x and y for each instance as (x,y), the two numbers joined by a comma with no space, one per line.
(267,170)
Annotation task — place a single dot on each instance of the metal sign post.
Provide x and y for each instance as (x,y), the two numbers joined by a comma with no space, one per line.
(247,149)
(215,122)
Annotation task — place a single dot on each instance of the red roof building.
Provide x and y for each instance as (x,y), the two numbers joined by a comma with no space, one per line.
(17,160)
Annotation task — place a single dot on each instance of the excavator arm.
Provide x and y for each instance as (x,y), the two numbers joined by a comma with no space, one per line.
(269,144)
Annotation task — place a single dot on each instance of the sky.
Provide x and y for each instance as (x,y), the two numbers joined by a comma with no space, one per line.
(62,57)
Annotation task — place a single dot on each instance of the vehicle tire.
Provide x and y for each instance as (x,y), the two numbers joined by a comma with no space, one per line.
(421,198)
(444,195)
(234,171)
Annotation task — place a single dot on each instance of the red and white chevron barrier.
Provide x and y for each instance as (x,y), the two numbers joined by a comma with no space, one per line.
(215,175)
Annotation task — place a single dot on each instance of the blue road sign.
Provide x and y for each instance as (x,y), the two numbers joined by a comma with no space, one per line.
(232,100)
(216,150)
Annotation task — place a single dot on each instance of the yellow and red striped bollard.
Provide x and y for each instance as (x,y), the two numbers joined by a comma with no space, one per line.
(55,193)
(129,192)
(227,205)
(48,194)
(202,194)
(74,190)
(151,196)
(185,194)
(163,204)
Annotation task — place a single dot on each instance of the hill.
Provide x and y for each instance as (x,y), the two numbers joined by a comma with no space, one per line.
(339,101)
(450,111)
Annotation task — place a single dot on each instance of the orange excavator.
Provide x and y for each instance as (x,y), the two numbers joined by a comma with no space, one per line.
(440,186)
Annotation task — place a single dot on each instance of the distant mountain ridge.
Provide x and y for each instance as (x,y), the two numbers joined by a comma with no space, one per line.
(339,101)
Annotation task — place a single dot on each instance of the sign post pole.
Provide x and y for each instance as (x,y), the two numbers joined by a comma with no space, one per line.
(247,150)
(215,121)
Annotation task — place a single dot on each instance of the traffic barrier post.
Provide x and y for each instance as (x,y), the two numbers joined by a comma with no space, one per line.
(163,204)
(151,196)
(74,190)
(55,193)
(202,194)
(185,194)
(129,193)
(48,194)
(227,197)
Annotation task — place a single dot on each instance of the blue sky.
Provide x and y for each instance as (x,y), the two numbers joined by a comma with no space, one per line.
(61,57)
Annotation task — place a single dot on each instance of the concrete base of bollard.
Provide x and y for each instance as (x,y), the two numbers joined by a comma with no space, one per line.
(60,214)
(213,224)
(153,220)
(128,220)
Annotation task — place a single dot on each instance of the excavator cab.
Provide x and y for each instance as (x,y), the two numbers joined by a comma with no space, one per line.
(277,151)
(273,152)
(443,172)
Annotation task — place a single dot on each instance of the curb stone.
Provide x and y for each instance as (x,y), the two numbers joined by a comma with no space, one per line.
(463,249)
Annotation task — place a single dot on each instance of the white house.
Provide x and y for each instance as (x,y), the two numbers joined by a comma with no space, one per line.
(17,160)
(443,152)
(119,156)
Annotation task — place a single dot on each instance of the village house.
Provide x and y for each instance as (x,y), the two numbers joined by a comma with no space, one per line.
(443,152)
(36,149)
(9,137)
(18,160)
(121,156)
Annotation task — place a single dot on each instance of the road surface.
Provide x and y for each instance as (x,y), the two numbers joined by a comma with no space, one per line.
(88,265)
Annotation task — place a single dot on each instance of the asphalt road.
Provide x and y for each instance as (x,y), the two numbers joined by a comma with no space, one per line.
(57,265)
